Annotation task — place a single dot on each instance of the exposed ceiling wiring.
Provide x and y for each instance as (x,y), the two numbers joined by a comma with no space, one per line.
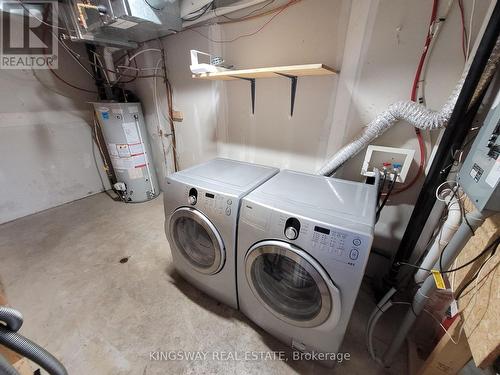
(244,18)
(199,13)
(70,84)
(278,12)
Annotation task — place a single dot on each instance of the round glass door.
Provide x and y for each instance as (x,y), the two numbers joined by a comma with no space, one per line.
(197,240)
(289,283)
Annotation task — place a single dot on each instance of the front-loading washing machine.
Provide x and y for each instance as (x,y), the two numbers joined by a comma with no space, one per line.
(201,217)
(303,245)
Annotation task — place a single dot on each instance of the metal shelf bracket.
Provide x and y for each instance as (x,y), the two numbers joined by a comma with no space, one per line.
(252,89)
(293,89)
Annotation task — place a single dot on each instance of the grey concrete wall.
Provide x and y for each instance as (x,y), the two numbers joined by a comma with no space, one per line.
(46,156)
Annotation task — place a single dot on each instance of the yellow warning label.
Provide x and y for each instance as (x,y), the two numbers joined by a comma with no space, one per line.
(438,279)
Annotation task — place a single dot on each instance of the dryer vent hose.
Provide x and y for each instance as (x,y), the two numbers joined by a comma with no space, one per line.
(9,338)
(413,113)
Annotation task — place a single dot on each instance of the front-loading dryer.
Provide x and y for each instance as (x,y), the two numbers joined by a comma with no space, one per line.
(201,216)
(303,245)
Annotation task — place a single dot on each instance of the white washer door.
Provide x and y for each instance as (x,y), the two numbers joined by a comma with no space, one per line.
(291,284)
(197,240)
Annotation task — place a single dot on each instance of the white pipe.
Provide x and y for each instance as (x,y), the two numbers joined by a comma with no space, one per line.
(415,114)
(444,236)
(457,243)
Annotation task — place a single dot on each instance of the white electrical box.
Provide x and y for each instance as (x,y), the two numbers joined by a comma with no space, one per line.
(390,158)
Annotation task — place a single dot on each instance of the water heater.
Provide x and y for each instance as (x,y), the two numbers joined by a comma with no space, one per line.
(128,145)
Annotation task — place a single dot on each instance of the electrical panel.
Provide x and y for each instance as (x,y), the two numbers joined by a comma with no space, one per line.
(480,172)
(120,23)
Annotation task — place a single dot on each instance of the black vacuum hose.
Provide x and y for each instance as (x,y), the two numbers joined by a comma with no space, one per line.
(12,318)
(32,351)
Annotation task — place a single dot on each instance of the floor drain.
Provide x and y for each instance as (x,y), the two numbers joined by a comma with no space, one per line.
(124,260)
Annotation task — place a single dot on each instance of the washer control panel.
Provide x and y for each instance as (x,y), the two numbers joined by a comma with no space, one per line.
(346,247)
(342,245)
(210,202)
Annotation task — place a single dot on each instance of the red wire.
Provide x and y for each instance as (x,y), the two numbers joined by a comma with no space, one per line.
(428,40)
(413,96)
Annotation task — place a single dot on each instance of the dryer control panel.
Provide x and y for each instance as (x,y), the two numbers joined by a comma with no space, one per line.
(210,202)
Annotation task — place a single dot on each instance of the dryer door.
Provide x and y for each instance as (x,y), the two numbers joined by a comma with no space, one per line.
(291,284)
(197,240)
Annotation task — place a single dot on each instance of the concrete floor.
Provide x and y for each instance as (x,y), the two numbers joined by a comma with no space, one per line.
(62,269)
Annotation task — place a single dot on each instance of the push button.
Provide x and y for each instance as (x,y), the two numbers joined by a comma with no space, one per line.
(356,242)
(228,211)
(354,254)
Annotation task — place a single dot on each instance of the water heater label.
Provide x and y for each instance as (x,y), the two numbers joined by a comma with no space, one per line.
(123,151)
(131,134)
(139,161)
(136,149)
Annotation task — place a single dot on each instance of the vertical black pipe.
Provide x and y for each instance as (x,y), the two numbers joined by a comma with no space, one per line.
(453,138)
(103,90)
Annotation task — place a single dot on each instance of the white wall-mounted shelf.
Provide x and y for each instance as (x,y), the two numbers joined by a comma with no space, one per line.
(291,71)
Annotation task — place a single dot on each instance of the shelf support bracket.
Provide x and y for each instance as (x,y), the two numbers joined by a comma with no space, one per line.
(293,88)
(252,89)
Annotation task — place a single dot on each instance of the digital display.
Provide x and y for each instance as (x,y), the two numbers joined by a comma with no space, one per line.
(209,195)
(321,230)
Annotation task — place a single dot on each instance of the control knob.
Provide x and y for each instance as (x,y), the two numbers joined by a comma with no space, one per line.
(192,200)
(291,233)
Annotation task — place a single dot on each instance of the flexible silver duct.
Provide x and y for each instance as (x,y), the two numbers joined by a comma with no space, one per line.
(415,114)
(12,318)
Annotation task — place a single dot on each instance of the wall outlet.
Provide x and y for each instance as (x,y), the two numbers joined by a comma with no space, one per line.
(390,157)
